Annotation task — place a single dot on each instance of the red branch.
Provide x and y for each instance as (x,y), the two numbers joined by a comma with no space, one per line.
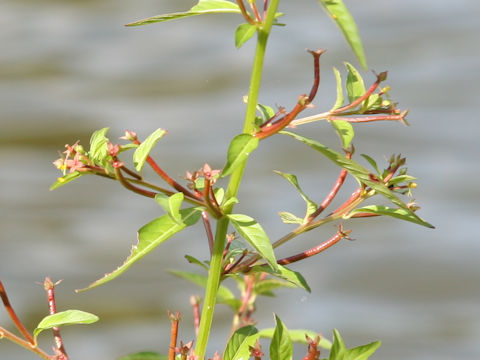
(52,307)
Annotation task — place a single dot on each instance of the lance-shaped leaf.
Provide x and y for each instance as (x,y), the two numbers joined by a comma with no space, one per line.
(201,8)
(141,153)
(240,148)
(244,33)
(145,355)
(98,146)
(388,211)
(342,17)
(357,170)
(284,273)
(298,336)
(224,295)
(355,85)
(171,205)
(289,218)
(251,231)
(292,179)
(345,132)
(238,346)
(194,260)
(281,347)
(66,179)
(149,237)
(266,286)
(68,317)
(340,352)
(339,101)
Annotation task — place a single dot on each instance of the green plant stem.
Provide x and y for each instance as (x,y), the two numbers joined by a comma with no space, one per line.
(215,271)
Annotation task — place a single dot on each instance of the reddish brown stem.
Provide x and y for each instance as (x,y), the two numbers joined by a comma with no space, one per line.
(214,209)
(355,195)
(341,234)
(253,5)
(129,186)
(165,176)
(364,119)
(302,102)
(175,319)
(380,77)
(208,230)
(245,14)
(52,307)
(195,302)
(13,315)
(131,173)
(333,192)
(25,344)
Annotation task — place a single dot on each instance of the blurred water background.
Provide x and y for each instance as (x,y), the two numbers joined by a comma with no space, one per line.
(68,68)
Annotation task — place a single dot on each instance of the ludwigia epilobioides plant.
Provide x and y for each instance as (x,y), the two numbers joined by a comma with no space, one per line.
(239,247)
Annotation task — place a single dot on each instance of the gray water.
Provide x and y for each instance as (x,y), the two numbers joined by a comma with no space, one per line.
(70,67)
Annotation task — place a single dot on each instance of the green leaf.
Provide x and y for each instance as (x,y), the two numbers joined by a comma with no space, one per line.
(281,347)
(202,7)
(345,131)
(340,352)
(98,146)
(149,237)
(194,260)
(292,179)
(289,218)
(372,162)
(298,336)
(240,148)
(266,111)
(358,171)
(238,346)
(66,179)
(342,17)
(224,295)
(68,317)
(141,153)
(171,205)
(144,355)
(251,231)
(396,213)
(284,273)
(244,33)
(340,99)
(265,287)
(355,86)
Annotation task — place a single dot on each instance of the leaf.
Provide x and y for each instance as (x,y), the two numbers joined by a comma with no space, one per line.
(266,111)
(66,179)
(396,213)
(340,99)
(98,146)
(340,352)
(240,148)
(251,231)
(289,218)
(281,347)
(342,17)
(298,336)
(224,295)
(372,162)
(284,273)
(292,179)
(171,205)
(355,86)
(265,287)
(238,346)
(345,131)
(358,171)
(68,317)
(144,355)
(141,153)
(202,7)
(149,237)
(194,260)
(244,33)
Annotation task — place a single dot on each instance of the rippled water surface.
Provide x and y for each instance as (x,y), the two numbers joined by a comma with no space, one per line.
(70,67)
